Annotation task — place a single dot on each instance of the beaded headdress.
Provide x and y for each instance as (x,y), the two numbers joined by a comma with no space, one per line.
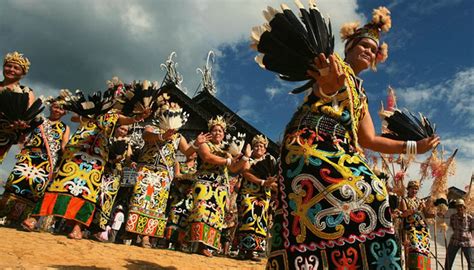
(414,184)
(61,100)
(459,202)
(381,21)
(219,120)
(260,139)
(17,58)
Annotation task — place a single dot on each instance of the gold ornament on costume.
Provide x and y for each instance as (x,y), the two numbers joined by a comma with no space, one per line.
(17,58)
(260,139)
(219,120)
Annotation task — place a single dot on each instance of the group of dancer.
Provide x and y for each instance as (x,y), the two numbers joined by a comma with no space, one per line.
(78,178)
(331,210)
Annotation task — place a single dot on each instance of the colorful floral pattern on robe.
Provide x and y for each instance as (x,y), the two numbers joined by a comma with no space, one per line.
(181,203)
(33,170)
(78,178)
(147,212)
(333,211)
(210,191)
(254,202)
(418,235)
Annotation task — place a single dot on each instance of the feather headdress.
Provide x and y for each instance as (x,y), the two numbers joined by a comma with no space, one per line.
(18,58)
(288,45)
(260,139)
(61,100)
(381,22)
(218,121)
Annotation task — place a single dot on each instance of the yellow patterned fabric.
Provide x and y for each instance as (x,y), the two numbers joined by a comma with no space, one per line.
(147,212)
(33,169)
(85,156)
(253,214)
(210,191)
(418,235)
(82,164)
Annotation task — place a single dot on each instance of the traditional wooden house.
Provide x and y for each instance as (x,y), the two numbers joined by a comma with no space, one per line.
(205,105)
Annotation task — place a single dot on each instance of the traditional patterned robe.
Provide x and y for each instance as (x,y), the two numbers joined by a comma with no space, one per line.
(210,191)
(33,171)
(254,201)
(418,235)
(110,183)
(181,203)
(74,191)
(147,212)
(333,211)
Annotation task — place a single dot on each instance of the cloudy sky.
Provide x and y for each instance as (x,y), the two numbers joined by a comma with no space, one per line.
(81,44)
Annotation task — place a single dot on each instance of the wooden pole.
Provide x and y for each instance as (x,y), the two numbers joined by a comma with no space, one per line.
(446,243)
(436,243)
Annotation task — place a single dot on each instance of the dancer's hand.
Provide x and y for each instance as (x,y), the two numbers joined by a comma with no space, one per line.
(329,74)
(19,124)
(202,138)
(248,150)
(427,144)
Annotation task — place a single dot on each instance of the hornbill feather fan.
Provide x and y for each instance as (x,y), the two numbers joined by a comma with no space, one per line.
(265,167)
(404,125)
(95,105)
(138,97)
(288,45)
(14,107)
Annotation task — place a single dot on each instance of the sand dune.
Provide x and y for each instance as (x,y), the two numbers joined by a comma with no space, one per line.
(35,250)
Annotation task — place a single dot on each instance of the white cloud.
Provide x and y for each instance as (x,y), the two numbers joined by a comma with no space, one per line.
(272,91)
(456,93)
(422,6)
(80,44)
(464,144)
(247,109)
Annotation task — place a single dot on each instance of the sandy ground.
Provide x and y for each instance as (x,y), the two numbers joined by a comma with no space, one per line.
(24,250)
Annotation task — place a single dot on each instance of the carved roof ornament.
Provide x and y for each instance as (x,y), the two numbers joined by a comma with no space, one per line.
(172,75)
(207,83)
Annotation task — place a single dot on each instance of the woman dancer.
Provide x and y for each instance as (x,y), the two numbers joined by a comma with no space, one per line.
(333,212)
(15,67)
(75,189)
(254,200)
(147,214)
(210,189)
(35,166)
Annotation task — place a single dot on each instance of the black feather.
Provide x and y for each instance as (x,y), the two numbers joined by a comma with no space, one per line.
(94,106)
(291,45)
(134,97)
(265,167)
(406,126)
